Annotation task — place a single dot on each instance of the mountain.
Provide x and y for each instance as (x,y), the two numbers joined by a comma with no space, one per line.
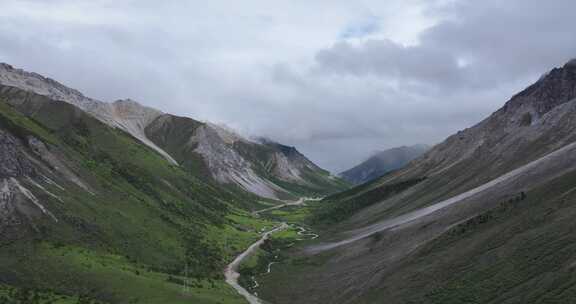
(383,162)
(99,201)
(215,152)
(267,169)
(90,214)
(484,217)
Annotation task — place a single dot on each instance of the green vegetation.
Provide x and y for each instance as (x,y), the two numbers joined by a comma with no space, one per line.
(132,227)
(11,295)
(522,248)
(271,251)
(341,206)
(292,214)
(130,224)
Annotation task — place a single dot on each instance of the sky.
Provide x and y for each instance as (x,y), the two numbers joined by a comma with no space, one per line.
(337,79)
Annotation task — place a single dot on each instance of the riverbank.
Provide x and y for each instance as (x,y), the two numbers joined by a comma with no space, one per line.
(231,272)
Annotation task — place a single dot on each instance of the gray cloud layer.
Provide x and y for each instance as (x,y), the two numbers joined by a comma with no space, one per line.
(335,78)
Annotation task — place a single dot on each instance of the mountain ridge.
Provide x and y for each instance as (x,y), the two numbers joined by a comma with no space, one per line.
(215,145)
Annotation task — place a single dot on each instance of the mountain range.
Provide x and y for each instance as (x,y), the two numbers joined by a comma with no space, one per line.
(487,216)
(118,202)
(383,162)
(263,167)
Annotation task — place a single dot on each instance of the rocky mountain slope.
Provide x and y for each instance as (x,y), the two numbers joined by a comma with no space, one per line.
(484,217)
(382,162)
(210,150)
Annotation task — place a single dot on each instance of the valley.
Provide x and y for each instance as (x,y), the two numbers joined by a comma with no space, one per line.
(92,212)
(295,234)
(484,217)
(120,203)
(287,152)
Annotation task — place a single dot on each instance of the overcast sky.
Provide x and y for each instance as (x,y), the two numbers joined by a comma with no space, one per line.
(337,79)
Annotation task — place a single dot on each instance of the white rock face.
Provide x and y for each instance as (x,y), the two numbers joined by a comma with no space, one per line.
(133,118)
(15,201)
(127,115)
(286,170)
(227,165)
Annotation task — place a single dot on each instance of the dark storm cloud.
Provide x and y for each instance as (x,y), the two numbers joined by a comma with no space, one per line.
(338,79)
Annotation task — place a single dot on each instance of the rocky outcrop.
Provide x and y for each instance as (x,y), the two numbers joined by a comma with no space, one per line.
(227,165)
(13,161)
(17,203)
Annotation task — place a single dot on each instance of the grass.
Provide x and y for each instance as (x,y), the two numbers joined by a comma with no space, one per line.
(290,214)
(146,216)
(116,279)
(130,240)
(339,208)
(12,295)
(287,235)
(521,251)
(22,125)
(272,251)
(243,231)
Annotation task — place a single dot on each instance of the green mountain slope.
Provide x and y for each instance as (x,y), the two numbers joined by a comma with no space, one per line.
(87,210)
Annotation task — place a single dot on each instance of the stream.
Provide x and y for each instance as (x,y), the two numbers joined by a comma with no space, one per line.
(231,272)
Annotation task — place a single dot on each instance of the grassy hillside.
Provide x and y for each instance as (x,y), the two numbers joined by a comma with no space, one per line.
(341,206)
(521,251)
(132,231)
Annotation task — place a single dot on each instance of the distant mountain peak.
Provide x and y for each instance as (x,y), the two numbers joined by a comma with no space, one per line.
(382,162)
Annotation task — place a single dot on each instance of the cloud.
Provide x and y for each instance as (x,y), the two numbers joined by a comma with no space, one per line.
(483,45)
(361,28)
(338,79)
